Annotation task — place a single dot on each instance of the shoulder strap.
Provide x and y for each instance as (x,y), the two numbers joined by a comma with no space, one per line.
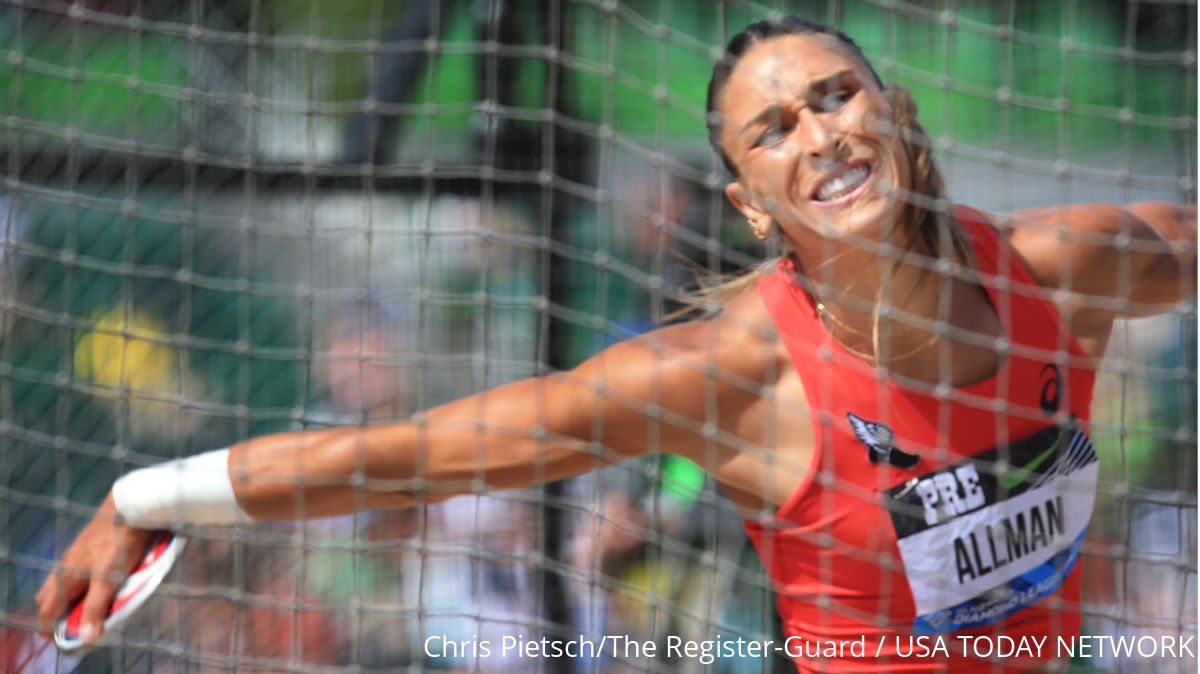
(1025,310)
(791,309)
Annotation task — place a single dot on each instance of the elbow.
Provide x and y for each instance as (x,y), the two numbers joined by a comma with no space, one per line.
(1162,245)
(1179,231)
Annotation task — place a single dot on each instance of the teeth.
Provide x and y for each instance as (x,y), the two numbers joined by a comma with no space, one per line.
(843,184)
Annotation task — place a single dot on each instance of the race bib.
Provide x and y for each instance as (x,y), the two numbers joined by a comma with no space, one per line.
(981,540)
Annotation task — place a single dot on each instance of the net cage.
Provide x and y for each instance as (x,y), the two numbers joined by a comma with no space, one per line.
(227,218)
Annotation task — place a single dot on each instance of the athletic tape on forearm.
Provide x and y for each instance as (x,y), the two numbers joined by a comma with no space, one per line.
(195,490)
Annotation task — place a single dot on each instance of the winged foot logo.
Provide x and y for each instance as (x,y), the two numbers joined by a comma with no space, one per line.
(879,440)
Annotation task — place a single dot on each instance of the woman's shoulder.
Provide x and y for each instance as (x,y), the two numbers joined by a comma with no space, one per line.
(1101,262)
(1062,246)
(1065,246)
(735,341)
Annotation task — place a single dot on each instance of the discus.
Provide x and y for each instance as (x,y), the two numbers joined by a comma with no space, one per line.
(162,551)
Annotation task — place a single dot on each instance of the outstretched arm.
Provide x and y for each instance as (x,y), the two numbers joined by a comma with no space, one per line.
(655,393)
(1110,261)
(652,394)
(520,434)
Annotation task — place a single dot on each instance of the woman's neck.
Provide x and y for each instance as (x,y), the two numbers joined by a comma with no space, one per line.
(887,312)
(883,310)
(856,283)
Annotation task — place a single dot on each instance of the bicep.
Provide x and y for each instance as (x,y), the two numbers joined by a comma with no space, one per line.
(654,394)
(1106,262)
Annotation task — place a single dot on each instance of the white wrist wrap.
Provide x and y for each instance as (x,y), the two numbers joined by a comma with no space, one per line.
(195,490)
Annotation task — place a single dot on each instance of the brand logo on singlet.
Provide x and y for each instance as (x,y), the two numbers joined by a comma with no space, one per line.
(991,534)
(880,440)
(1052,385)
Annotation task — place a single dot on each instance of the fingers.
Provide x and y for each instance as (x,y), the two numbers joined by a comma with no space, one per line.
(61,590)
(95,607)
(55,596)
(93,567)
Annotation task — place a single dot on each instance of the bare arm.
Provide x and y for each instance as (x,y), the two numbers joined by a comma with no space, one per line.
(684,389)
(656,393)
(1110,261)
(1167,270)
(520,434)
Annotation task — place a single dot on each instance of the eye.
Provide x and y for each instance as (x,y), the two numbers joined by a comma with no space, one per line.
(772,136)
(835,99)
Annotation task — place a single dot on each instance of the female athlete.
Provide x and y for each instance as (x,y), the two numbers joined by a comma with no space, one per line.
(899,406)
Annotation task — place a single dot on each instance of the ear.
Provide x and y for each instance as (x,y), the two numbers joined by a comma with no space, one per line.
(742,200)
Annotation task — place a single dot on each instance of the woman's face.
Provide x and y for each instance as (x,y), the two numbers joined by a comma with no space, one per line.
(802,125)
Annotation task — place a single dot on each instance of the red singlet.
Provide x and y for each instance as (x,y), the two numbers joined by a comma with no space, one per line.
(929,515)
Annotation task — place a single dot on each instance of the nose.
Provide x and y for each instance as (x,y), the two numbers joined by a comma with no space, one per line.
(818,136)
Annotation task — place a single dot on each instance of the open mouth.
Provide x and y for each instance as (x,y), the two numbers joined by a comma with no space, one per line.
(843,185)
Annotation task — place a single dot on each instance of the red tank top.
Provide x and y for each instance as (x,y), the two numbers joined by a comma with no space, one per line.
(928,515)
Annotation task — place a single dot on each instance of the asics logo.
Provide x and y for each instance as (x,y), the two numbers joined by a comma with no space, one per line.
(1052,385)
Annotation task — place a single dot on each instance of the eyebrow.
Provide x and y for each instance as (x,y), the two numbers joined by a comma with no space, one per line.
(774,111)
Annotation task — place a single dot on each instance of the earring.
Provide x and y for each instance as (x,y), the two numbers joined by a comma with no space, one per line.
(760,233)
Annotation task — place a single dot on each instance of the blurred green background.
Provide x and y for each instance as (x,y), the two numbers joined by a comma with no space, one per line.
(1070,69)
